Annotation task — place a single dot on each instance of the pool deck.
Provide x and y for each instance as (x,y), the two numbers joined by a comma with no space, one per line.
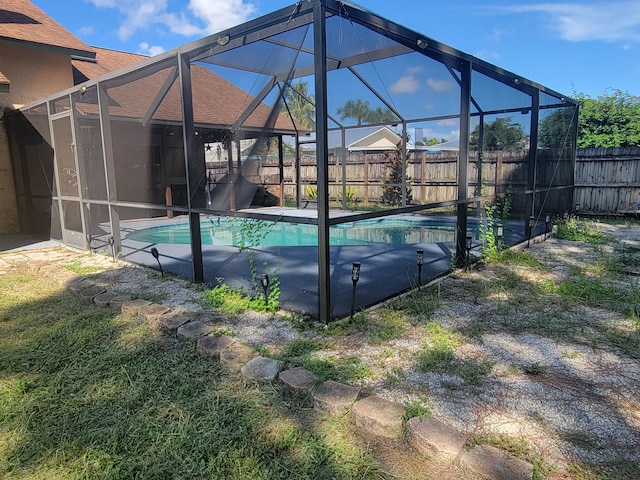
(387,269)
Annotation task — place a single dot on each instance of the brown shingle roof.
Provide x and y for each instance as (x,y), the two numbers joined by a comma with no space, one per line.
(22,21)
(216,101)
(106,61)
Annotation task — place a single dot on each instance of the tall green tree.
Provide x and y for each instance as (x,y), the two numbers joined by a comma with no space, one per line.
(361,111)
(299,106)
(611,120)
(501,134)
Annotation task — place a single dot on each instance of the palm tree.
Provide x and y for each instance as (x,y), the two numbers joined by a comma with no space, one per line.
(357,109)
(380,115)
(299,106)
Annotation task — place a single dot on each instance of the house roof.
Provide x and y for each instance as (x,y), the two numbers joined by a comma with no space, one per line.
(216,102)
(4,83)
(105,61)
(22,22)
(381,139)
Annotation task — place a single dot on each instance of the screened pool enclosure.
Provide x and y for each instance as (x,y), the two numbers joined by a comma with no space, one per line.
(297,145)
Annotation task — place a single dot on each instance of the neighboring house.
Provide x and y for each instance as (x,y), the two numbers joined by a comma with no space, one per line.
(36,55)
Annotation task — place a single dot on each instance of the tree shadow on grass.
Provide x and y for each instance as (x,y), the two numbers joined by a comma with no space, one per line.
(86,392)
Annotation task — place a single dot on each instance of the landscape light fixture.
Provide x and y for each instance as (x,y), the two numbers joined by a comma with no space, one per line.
(112,242)
(264,281)
(355,276)
(419,262)
(156,255)
(532,222)
(547,219)
(499,234)
(565,215)
(468,244)
(577,208)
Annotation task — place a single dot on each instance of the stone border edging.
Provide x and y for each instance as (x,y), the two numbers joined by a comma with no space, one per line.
(373,415)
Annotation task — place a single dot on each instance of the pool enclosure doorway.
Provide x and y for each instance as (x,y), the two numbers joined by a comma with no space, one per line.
(320,113)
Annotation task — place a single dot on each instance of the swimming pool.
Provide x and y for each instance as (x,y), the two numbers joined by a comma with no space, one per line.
(232,231)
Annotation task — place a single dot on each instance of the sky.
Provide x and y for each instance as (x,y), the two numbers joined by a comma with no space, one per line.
(588,47)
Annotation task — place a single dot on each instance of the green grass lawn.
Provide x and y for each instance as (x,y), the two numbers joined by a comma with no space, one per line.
(86,392)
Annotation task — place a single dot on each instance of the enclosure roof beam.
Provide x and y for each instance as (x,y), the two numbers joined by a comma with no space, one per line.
(375,92)
(173,75)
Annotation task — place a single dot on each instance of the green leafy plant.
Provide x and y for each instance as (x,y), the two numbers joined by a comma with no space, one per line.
(581,231)
(312,192)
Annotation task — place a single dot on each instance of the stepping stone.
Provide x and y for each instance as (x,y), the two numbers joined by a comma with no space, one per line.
(104,299)
(298,380)
(151,312)
(193,330)
(237,355)
(170,322)
(433,437)
(118,300)
(134,306)
(496,464)
(80,284)
(88,293)
(379,417)
(213,346)
(335,398)
(261,368)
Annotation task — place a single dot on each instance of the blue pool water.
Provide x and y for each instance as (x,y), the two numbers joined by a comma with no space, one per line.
(231,231)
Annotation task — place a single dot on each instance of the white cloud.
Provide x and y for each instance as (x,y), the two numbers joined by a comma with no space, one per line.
(151,50)
(201,17)
(487,55)
(451,122)
(405,84)
(497,34)
(439,85)
(86,31)
(608,21)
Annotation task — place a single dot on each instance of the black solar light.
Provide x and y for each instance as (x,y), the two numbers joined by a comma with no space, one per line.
(499,233)
(156,255)
(532,222)
(355,276)
(264,281)
(419,262)
(468,244)
(89,240)
(112,242)
(577,208)
(565,215)
(547,220)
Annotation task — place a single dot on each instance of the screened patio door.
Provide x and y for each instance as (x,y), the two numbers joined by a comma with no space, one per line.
(68,188)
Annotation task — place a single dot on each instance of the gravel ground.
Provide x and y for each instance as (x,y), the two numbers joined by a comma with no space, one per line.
(553,383)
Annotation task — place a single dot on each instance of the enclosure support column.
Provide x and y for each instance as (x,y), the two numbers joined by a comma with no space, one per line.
(190,158)
(297,169)
(281,169)
(343,158)
(533,160)
(479,173)
(322,159)
(463,165)
(404,164)
(109,167)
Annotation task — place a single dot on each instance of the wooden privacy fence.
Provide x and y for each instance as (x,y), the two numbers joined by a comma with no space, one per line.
(607,180)
(433,176)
